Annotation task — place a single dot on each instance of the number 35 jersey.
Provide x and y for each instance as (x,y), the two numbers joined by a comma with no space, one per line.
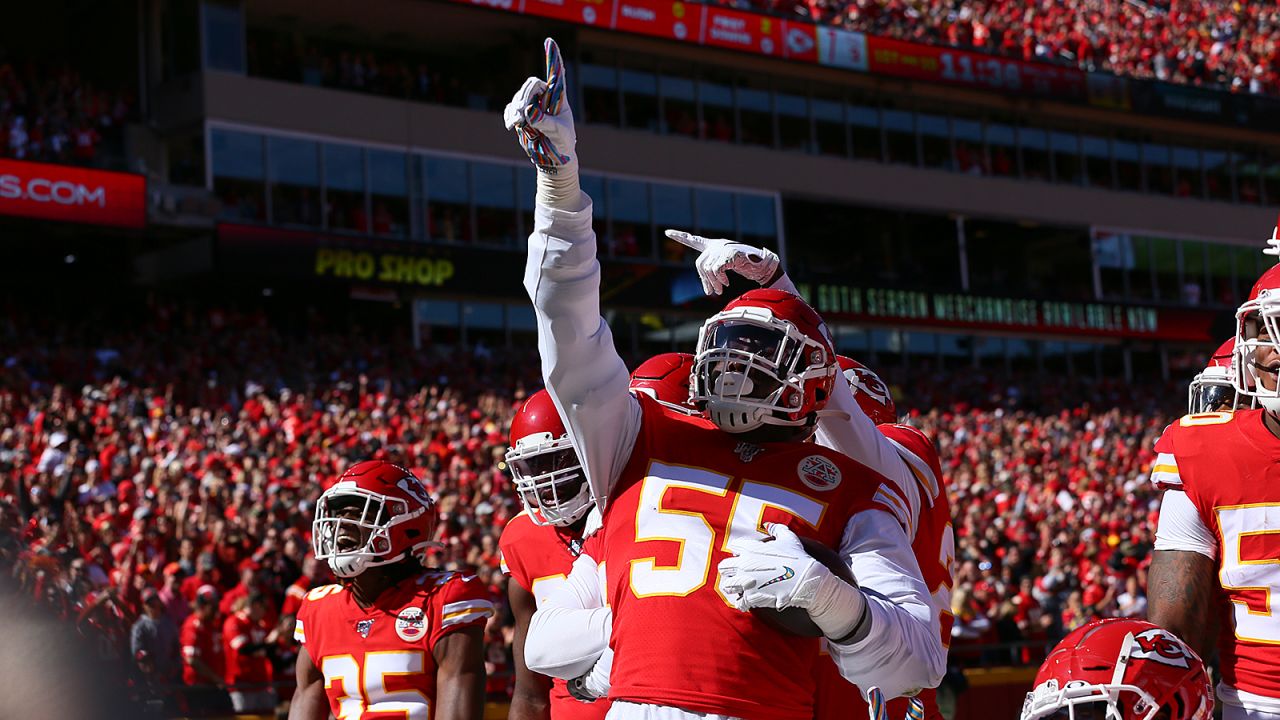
(687,490)
(1228,464)
(379,660)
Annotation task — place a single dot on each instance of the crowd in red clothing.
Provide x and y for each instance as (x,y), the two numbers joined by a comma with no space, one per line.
(1233,45)
(54,114)
(160,478)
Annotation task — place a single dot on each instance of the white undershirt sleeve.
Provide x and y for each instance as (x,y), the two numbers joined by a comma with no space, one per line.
(571,627)
(585,376)
(1182,528)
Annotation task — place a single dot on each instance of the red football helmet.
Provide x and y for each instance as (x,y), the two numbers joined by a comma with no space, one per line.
(869,390)
(766,359)
(1257,350)
(665,378)
(544,465)
(375,514)
(1214,387)
(1126,669)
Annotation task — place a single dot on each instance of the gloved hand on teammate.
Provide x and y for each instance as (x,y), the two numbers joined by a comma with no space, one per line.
(540,116)
(777,573)
(595,683)
(716,257)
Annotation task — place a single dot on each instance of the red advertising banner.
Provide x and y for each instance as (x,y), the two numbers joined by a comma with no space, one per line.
(659,18)
(582,12)
(739,30)
(899,58)
(800,41)
(71,194)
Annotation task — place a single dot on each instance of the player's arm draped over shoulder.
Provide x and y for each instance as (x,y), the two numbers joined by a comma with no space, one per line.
(1181,588)
(584,374)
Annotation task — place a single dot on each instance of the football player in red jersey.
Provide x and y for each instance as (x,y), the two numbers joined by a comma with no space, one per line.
(1220,520)
(867,430)
(681,493)
(539,545)
(392,636)
(1213,389)
(1120,669)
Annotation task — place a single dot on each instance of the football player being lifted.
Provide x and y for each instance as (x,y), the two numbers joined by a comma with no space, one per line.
(540,544)
(866,429)
(1219,532)
(392,636)
(681,493)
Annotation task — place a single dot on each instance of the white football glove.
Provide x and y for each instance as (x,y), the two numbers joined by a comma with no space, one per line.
(542,120)
(716,257)
(595,684)
(1273,244)
(771,572)
(777,573)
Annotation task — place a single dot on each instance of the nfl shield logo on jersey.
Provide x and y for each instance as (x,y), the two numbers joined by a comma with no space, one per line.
(411,624)
(819,473)
(363,627)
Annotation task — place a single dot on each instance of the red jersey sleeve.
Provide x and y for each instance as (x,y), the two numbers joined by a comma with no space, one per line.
(461,602)
(509,548)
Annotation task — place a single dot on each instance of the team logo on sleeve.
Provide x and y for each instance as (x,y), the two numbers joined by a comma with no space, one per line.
(1160,646)
(411,624)
(819,473)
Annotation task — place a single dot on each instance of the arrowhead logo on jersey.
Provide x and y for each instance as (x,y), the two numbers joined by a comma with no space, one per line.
(1160,646)
(411,624)
(363,627)
(819,473)
(747,451)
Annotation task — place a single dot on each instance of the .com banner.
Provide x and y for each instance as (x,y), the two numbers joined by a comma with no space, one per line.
(70,194)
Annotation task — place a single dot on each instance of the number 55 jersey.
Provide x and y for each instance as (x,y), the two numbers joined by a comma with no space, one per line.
(1227,467)
(686,492)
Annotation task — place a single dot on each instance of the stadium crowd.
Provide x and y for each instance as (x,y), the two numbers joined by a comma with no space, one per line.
(158,483)
(1193,42)
(52,113)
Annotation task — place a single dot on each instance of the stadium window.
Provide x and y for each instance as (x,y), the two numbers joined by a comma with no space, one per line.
(294,169)
(1029,260)
(1188,178)
(1034,147)
(1142,276)
(593,186)
(1128,165)
(483,323)
(679,103)
(599,93)
(438,321)
(1003,149)
(755,115)
(223,36)
(864,121)
(1164,262)
(672,209)
(1194,266)
(793,120)
(639,99)
(1097,160)
(1247,268)
(935,140)
(969,157)
(494,194)
(526,191)
(344,199)
(1113,253)
(448,200)
(716,95)
(900,136)
(714,214)
(1271,178)
(239,174)
(829,132)
(1218,260)
(1217,175)
(389,193)
(631,228)
(1066,157)
(1155,165)
(1248,177)
(757,220)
